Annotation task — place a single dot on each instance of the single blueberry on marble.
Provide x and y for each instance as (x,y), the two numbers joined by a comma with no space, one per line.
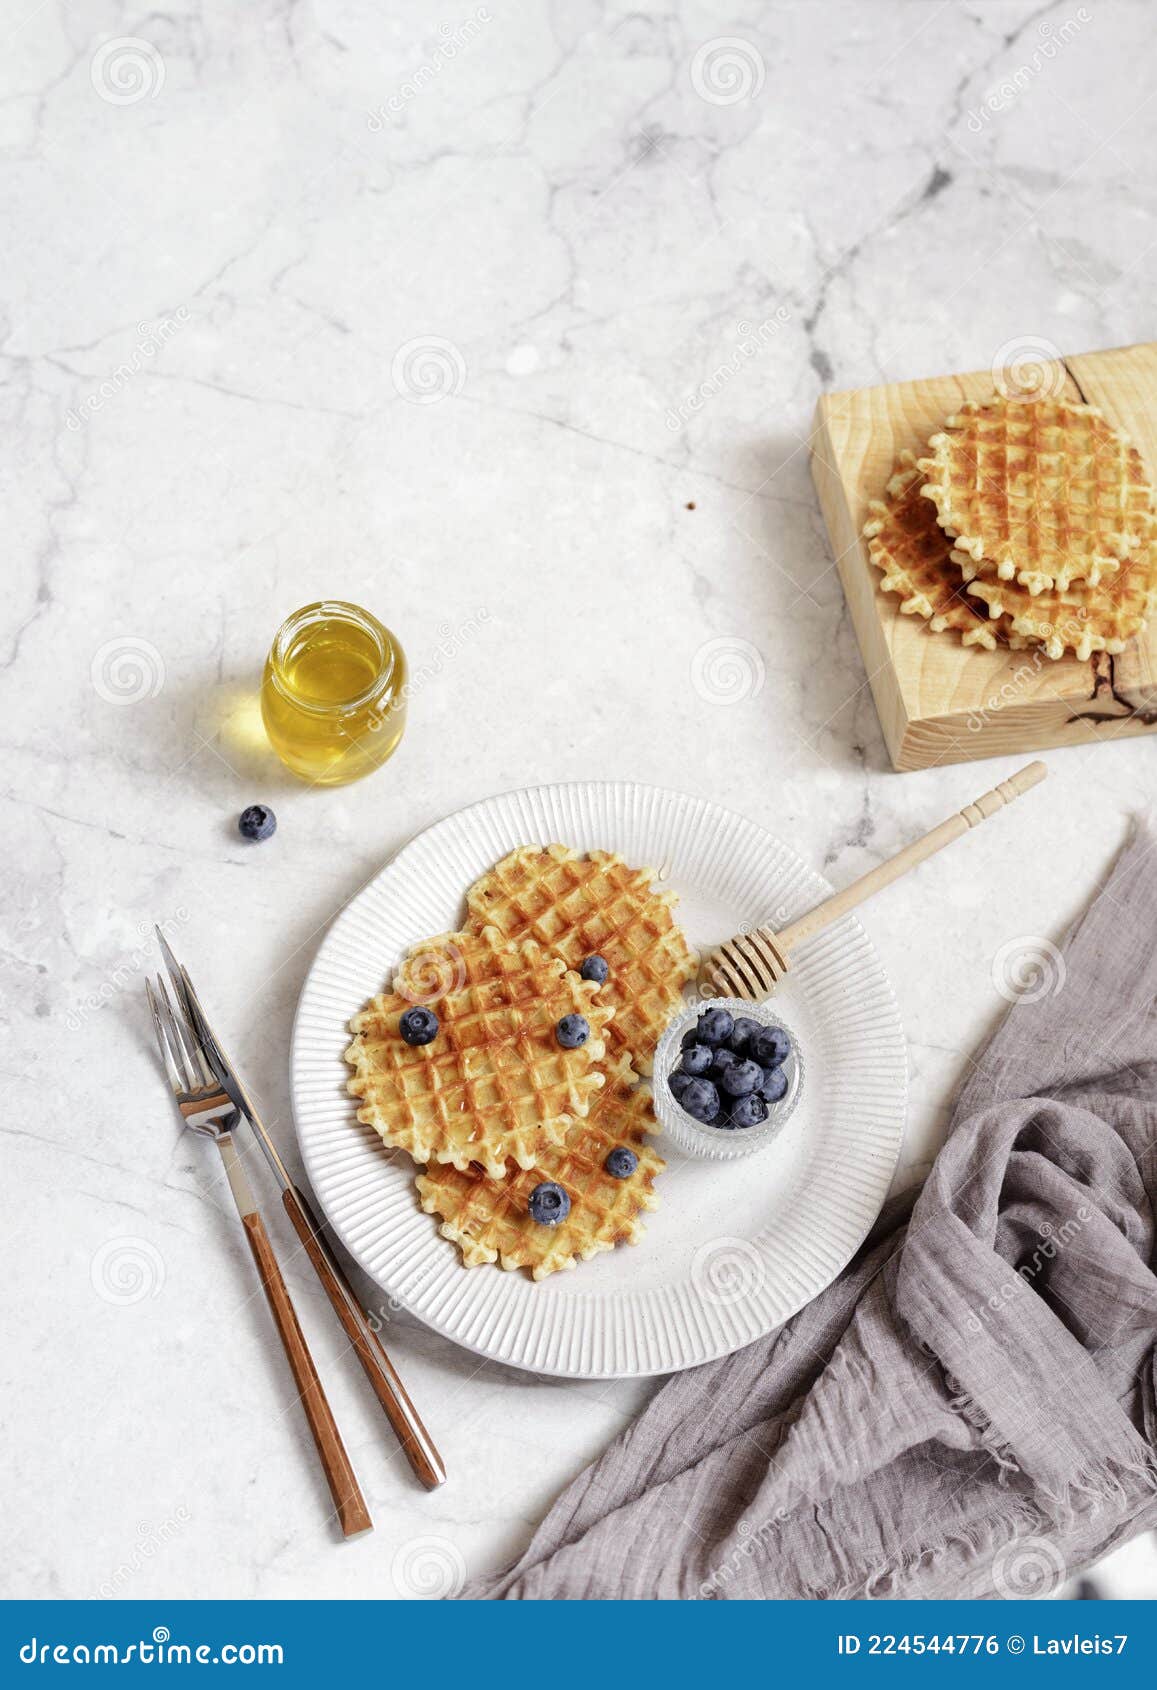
(257,822)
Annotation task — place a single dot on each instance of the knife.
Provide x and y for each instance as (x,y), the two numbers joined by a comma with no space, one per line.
(417,1444)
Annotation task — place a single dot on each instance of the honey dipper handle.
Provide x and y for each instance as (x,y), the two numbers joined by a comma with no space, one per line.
(885,873)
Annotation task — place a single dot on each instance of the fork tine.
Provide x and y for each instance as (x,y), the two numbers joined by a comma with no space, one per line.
(177,1041)
(191,1042)
(184,1012)
(176,976)
(172,1072)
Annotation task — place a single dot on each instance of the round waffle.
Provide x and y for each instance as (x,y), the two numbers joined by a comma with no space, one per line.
(913,554)
(495,1085)
(595,905)
(1083,619)
(1039,491)
(490,1220)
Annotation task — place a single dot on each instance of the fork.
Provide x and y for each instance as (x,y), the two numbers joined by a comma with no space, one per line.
(207,1109)
(417,1444)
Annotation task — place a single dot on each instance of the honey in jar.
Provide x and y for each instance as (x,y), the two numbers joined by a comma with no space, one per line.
(333,696)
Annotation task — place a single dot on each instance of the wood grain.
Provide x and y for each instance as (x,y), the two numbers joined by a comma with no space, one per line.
(834,909)
(938,701)
(417,1445)
(753,963)
(343,1485)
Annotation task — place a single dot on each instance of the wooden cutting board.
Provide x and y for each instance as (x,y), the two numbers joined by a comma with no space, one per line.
(938,701)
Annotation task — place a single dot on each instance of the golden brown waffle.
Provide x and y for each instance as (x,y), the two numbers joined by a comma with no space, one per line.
(913,554)
(1083,619)
(596,905)
(1039,491)
(495,1085)
(490,1220)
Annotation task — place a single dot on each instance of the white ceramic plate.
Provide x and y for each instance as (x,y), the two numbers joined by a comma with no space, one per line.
(735,1248)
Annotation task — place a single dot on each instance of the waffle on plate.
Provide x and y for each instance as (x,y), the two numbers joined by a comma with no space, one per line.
(490,1219)
(494,1086)
(578,906)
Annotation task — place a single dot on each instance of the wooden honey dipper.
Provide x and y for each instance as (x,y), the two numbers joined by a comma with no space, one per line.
(752,964)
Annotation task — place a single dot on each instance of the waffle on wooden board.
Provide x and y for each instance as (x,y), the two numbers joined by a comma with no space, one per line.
(1044,494)
(914,556)
(1046,516)
(1039,491)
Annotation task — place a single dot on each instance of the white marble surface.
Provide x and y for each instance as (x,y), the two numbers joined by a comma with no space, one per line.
(237,254)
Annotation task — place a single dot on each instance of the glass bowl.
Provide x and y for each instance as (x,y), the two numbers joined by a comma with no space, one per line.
(721,1144)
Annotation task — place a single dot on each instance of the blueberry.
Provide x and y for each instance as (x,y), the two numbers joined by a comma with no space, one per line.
(701,1101)
(678,1083)
(721,1060)
(621,1163)
(715,1026)
(573,1031)
(749,1111)
(697,1059)
(548,1204)
(774,1085)
(741,1078)
(746,1028)
(771,1048)
(257,822)
(418,1026)
(690,1037)
(594,968)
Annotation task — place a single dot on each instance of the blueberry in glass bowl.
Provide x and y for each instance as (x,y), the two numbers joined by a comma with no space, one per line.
(727,1076)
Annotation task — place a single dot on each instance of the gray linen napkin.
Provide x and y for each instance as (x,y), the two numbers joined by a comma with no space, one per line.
(970,1409)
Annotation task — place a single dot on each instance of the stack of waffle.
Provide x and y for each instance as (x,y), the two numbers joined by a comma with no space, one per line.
(1028,523)
(494,1105)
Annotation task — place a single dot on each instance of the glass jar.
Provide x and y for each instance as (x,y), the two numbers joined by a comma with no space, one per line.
(333,696)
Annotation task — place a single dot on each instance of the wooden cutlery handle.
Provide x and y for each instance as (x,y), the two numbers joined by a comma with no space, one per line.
(343,1484)
(416,1442)
(920,849)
